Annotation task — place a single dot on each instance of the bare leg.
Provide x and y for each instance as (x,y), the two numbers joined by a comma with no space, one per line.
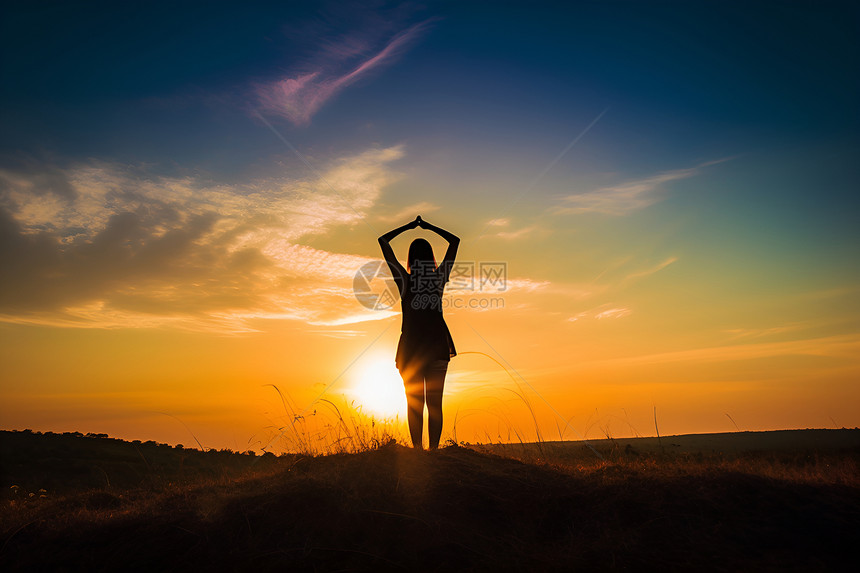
(435,383)
(414,383)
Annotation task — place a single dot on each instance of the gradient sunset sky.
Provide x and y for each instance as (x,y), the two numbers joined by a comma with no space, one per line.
(187,193)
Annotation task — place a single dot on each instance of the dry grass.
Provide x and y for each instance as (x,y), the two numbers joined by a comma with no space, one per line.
(837,466)
(392,507)
(327,427)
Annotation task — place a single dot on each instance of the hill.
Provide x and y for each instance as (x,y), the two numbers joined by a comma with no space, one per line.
(785,444)
(454,509)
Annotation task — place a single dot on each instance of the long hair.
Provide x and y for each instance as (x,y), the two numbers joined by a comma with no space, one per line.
(420,254)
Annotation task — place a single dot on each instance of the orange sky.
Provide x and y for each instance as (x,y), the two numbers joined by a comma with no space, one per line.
(593,345)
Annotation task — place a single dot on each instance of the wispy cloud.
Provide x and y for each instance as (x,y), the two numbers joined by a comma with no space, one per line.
(846,346)
(748,333)
(500,228)
(625,198)
(117,247)
(123,248)
(612,313)
(518,234)
(409,212)
(648,271)
(301,95)
(608,311)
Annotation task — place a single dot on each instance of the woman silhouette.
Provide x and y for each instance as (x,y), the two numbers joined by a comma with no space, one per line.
(425,345)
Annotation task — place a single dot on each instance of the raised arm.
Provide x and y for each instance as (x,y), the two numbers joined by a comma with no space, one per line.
(397,269)
(453,245)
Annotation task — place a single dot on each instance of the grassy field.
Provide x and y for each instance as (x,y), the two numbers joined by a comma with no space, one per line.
(729,502)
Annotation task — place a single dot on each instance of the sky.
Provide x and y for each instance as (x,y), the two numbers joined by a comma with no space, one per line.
(658,205)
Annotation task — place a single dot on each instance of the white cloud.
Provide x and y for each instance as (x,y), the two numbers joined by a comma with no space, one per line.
(649,271)
(846,346)
(607,311)
(518,234)
(292,208)
(409,212)
(618,312)
(625,198)
(125,248)
(741,333)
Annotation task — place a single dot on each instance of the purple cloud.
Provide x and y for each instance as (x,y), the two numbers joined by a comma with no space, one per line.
(299,98)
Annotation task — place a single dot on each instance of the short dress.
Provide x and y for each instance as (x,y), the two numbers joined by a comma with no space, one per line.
(424,336)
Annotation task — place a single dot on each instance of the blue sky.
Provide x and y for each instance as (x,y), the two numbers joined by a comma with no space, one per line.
(107,79)
(473,88)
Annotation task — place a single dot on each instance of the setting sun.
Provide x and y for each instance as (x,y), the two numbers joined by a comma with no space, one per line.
(378,389)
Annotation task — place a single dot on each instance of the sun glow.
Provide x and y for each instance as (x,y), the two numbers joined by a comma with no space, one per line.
(378,389)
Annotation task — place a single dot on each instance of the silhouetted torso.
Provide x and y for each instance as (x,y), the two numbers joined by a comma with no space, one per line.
(424,335)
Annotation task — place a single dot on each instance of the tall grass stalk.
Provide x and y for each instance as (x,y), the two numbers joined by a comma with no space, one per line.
(333,428)
(556,412)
